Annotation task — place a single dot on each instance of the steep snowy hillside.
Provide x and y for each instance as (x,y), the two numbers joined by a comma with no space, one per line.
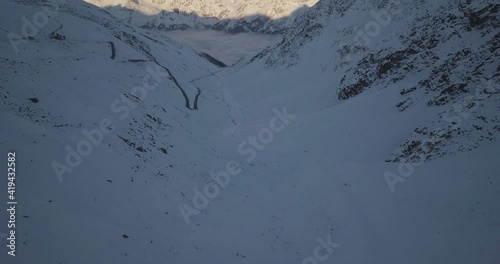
(443,57)
(106,147)
(396,129)
(226,15)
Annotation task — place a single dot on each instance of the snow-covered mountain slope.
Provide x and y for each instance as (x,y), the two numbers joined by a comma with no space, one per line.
(374,85)
(64,89)
(226,15)
(314,184)
(438,57)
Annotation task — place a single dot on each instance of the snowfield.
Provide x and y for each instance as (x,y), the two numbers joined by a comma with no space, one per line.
(323,148)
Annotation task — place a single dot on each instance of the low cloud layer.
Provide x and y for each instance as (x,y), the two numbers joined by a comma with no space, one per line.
(228,48)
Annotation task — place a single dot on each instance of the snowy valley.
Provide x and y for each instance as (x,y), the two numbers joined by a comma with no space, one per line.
(367,132)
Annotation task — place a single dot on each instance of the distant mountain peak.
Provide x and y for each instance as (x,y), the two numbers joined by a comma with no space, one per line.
(227,15)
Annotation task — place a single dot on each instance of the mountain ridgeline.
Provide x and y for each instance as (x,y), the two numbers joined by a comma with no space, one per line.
(231,16)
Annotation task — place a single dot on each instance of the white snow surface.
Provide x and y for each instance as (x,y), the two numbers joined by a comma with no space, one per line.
(323,175)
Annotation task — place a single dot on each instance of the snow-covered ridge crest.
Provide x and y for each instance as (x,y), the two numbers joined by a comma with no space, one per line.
(228,15)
